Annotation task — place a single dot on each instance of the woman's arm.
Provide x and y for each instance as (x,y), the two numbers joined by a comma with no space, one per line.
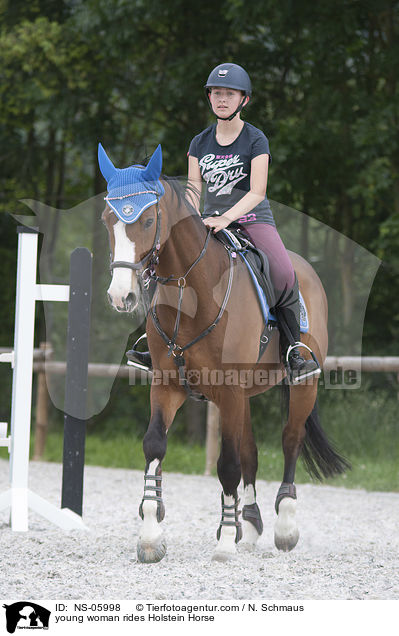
(194,182)
(258,185)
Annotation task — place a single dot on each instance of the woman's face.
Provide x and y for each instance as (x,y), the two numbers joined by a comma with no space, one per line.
(224,101)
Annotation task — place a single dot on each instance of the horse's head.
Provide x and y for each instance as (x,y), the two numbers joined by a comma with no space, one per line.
(132,220)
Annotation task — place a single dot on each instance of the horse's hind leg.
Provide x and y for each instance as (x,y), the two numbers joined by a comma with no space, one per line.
(302,433)
(252,525)
(301,402)
(165,401)
(232,413)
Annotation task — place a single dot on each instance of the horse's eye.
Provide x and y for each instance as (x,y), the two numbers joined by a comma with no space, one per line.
(148,223)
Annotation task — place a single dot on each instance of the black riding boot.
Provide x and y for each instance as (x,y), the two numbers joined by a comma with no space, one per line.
(288,320)
(142,359)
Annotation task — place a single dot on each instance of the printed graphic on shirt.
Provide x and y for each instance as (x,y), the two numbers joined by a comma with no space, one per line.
(222,172)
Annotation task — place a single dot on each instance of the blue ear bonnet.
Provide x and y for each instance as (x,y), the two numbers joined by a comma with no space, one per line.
(132,190)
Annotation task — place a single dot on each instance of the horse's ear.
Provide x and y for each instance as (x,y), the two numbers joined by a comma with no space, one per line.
(154,166)
(106,166)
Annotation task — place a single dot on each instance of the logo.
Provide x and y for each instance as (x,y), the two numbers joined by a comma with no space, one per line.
(223,72)
(222,172)
(128,210)
(194,376)
(26,615)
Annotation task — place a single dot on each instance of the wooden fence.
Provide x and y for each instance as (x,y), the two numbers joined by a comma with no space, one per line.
(43,364)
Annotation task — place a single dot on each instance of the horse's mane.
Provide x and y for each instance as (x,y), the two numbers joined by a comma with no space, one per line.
(181,189)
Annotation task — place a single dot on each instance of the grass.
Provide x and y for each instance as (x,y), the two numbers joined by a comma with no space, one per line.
(365,474)
(124,451)
(363,424)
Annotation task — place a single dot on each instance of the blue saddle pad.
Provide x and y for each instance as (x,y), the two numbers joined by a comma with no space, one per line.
(268,316)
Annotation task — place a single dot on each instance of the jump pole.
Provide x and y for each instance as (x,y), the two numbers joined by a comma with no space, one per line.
(19,498)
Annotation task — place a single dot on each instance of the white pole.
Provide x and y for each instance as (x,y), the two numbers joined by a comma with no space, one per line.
(22,378)
(19,498)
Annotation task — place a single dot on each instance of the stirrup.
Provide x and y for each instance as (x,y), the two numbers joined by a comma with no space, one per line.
(139,359)
(297,378)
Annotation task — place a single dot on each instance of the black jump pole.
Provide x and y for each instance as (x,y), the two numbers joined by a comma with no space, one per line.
(76,381)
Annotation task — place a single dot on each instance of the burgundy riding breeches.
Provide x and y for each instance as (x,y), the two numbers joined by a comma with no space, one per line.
(267,239)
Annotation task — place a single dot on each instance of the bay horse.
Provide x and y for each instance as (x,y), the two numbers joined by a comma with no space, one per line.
(203,330)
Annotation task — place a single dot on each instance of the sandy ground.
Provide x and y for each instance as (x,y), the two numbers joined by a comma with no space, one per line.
(348,548)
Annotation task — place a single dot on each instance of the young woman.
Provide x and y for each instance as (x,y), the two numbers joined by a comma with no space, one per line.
(232,158)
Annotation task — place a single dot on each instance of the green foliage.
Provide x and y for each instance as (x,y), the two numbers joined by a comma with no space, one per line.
(130,73)
(362,424)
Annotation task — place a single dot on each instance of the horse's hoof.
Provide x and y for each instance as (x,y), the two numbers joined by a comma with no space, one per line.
(286,544)
(250,536)
(286,533)
(226,547)
(151,552)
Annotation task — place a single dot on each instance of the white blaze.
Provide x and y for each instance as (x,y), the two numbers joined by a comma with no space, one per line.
(123,279)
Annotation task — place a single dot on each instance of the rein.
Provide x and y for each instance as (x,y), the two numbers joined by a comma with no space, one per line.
(174,349)
(181,283)
(147,264)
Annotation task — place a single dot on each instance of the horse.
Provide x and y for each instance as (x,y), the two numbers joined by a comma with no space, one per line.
(203,329)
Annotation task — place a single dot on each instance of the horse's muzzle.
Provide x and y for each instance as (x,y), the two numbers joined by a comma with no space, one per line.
(127,304)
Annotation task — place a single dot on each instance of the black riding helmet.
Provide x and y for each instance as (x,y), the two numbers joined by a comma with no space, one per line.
(229,76)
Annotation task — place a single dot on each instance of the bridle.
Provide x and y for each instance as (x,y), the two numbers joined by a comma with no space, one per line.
(147,265)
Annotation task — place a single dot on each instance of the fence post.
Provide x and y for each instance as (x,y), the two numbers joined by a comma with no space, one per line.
(76,381)
(41,427)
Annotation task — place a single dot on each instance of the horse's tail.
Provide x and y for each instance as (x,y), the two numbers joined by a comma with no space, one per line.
(320,456)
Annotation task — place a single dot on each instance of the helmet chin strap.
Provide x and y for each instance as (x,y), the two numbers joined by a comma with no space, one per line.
(237,110)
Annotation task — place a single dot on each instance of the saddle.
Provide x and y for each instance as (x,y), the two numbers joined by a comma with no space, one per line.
(257,264)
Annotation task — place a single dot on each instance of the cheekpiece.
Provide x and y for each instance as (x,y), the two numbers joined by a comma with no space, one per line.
(134,189)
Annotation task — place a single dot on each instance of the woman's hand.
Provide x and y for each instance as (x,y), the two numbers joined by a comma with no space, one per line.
(217,223)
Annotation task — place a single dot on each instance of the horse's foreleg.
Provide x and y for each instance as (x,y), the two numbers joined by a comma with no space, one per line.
(252,525)
(302,399)
(229,472)
(151,546)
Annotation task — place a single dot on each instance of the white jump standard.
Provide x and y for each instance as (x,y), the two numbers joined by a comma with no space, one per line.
(19,498)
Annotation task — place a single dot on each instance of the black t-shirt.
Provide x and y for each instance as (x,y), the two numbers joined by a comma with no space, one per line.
(226,171)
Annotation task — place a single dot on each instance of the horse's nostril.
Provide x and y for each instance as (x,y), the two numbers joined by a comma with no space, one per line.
(130,300)
(109,298)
